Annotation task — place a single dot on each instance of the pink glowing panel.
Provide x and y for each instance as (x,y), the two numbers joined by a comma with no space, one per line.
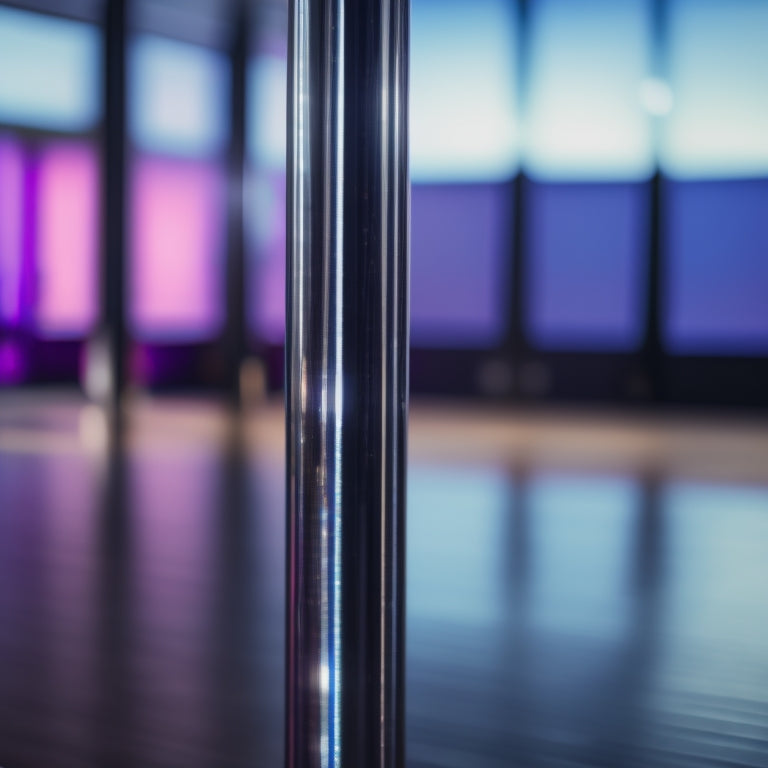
(178,243)
(11,223)
(67,240)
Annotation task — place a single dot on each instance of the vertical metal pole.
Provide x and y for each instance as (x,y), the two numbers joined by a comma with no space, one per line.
(347,395)
(653,348)
(115,193)
(517,347)
(105,371)
(235,332)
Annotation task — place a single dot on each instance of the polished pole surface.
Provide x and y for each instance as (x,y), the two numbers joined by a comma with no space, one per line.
(346,388)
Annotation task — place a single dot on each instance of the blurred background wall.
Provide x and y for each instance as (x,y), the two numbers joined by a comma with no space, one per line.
(590,196)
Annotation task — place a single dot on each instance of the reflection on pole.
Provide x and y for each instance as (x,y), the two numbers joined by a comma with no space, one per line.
(346,389)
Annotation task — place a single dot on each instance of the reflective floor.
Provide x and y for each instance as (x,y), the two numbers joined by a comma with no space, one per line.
(582,591)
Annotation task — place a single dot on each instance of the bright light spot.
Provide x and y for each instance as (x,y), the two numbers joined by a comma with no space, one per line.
(267,90)
(98,380)
(656,96)
(178,97)
(325,678)
(463,99)
(718,69)
(93,429)
(584,120)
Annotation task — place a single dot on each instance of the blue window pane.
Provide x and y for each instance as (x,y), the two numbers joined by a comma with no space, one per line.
(589,63)
(718,69)
(458,244)
(463,95)
(49,72)
(586,246)
(717,275)
(178,97)
(267,90)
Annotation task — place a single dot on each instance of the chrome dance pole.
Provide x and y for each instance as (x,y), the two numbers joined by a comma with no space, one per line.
(347,382)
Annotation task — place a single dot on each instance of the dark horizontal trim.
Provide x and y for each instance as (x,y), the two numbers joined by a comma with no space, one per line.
(60,12)
(709,380)
(34,136)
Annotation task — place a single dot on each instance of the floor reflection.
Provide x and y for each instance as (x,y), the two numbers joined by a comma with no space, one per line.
(555,616)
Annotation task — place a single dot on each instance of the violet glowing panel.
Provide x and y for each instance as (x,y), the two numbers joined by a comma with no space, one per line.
(586,271)
(177,249)
(11,225)
(67,240)
(459,244)
(717,267)
(266,202)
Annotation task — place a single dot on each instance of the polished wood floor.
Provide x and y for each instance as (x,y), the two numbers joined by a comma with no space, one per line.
(582,590)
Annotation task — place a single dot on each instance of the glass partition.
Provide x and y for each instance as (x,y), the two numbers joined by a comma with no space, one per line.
(178,123)
(715,151)
(588,154)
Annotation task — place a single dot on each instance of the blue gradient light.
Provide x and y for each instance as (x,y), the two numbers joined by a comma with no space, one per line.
(178,97)
(585,117)
(267,89)
(718,70)
(49,72)
(463,90)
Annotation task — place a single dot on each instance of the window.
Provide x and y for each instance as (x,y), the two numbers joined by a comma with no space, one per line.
(464,152)
(178,123)
(49,184)
(586,251)
(67,239)
(588,152)
(715,148)
(55,66)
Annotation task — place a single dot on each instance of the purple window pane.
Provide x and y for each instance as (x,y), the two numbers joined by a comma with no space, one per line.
(13,366)
(717,275)
(587,247)
(267,274)
(459,255)
(177,244)
(67,240)
(11,226)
